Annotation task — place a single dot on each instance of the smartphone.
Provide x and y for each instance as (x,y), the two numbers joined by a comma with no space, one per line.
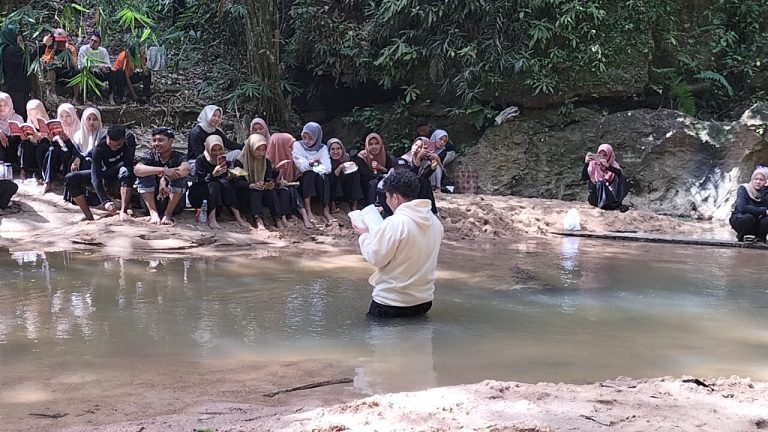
(221,159)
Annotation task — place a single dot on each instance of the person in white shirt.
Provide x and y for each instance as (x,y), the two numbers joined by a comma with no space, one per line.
(404,250)
(101,66)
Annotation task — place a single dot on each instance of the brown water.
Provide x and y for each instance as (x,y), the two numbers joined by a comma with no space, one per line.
(541,310)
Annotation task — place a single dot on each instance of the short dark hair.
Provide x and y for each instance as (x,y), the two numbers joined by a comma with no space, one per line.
(163,131)
(403,182)
(423,121)
(96,34)
(116,132)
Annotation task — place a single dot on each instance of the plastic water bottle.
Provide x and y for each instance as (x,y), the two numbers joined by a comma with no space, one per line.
(204,212)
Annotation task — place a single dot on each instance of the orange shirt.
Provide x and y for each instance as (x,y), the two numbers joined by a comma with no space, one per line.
(122,62)
(50,54)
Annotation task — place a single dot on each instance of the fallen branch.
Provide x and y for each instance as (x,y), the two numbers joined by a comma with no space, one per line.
(699,383)
(594,420)
(53,416)
(309,386)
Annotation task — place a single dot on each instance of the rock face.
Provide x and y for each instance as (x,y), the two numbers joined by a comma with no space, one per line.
(675,164)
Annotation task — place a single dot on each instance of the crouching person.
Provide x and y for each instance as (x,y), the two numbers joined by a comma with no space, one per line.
(162,178)
(111,163)
(750,211)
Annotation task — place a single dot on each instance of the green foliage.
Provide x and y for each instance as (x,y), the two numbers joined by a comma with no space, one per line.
(717,78)
(678,91)
(72,17)
(397,139)
(86,80)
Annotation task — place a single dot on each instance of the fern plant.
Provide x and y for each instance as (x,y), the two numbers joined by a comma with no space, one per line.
(86,79)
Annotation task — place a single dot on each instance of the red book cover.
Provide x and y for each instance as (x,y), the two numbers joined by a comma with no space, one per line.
(15,128)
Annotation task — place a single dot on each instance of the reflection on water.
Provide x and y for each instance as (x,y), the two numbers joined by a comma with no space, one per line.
(557,310)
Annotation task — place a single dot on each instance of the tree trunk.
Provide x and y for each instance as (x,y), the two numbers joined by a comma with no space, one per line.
(8,6)
(263,53)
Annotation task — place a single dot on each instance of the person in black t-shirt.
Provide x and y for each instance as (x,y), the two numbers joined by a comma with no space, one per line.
(162,178)
(112,161)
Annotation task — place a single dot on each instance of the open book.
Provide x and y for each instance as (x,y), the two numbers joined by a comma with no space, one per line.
(50,128)
(19,129)
(368,217)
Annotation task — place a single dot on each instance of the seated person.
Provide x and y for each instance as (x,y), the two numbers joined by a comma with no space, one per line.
(60,154)
(279,152)
(208,123)
(309,153)
(256,191)
(101,66)
(607,184)
(444,150)
(750,211)
(111,162)
(162,178)
(211,183)
(59,59)
(7,189)
(131,68)
(373,163)
(404,250)
(344,186)
(9,144)
(424,128)
(422,174)
(34,146)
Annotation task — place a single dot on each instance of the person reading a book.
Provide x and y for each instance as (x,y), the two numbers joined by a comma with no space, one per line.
(403,249)
(373,163)
(212,183)
(58,158)
(256,189)
(34,145)
(14,76)
(131,68)
(313,162)
(279,148)
(606,181)
(98,58)
(9,144)
(112,163)
(345,178)
(162,178)
(59,59)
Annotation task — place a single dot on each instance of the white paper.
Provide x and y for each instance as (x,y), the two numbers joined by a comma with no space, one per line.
(369,217)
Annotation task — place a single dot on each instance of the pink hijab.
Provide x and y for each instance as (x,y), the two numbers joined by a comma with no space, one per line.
(260,121)
(597,172)
(380,158)
(279,148)
(9,116)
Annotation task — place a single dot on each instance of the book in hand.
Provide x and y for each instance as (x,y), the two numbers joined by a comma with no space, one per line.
(50,128)
(369,217)
(19,129)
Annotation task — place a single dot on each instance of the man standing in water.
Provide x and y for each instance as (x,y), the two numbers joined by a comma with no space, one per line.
(404,251)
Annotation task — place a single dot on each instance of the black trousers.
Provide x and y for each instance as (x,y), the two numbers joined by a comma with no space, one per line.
(748,224)
(261,200)
(31,157)
(219,193)
(606,197)
(76,183)
(55,161)
(289,200)
(10,154)
(120,83)
(384,311)
(371,189)
(313,185)
(346,187)
(7,189)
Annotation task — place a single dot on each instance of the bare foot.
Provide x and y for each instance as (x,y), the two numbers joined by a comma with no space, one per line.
(46,188)
(167,221)
(124,216)
(214,225)
(154,218)
(329,218)
(309,223)
(244,224)
(280,224)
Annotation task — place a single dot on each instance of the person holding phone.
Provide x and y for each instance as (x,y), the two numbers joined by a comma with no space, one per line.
(212,183)
(256,191)
(606,181)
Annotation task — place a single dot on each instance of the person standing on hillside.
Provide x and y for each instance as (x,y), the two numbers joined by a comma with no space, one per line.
(404,250)
(13,72)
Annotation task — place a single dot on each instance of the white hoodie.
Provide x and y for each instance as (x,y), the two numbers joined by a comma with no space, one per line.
(404,251)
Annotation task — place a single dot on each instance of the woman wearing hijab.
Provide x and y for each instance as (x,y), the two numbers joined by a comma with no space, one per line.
(373,164)
(212,183)
(256,192)
(61,152)
(34,146)
(606,181)
(424,164)
(9,145)
(441,147)
(208,123)
(13,71)
(259,126)
(279,152)
(85,139)
(344,185)
(314,164)
(750,211)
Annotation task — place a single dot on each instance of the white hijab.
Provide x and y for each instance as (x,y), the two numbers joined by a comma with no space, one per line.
(84,139)
(204,119)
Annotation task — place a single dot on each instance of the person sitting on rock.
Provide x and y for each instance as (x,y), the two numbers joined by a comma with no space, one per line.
(112,162)
(259,126)
(750,211)
(162,178)
(373,164)
(311,157)
(208,123)
(256,190)
(59,59)
(131,68)
(279,152)
(445,151)
(607,184)
(34,145)
(58,158)
(212,183)
(345,186)
(101,66)
(9,144)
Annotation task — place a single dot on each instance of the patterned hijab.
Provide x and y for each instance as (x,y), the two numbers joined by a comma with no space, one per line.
(381,158)
(597,172)
(279,149)
(204,119)
(256,168)
(10,115)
